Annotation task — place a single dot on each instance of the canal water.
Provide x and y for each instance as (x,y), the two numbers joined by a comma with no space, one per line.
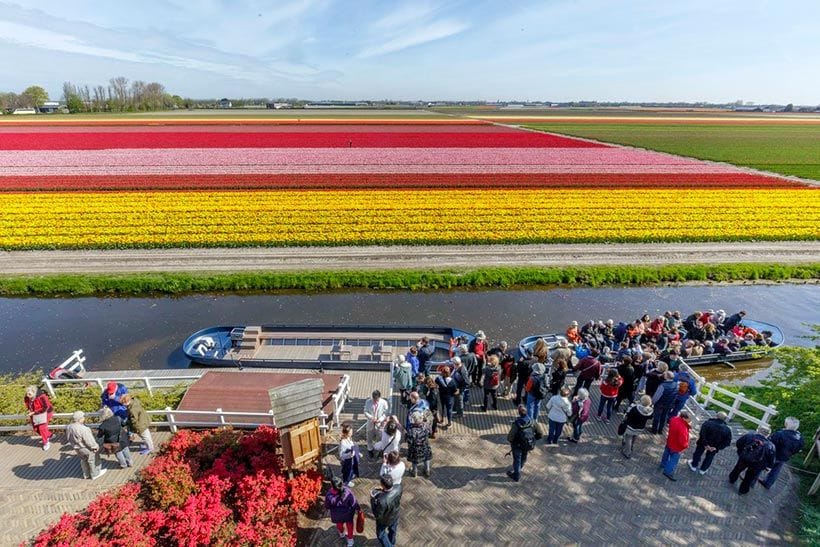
(141,333)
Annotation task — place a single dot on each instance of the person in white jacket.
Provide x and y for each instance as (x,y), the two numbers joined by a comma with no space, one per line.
(391,437)
(375,410)
(560,410)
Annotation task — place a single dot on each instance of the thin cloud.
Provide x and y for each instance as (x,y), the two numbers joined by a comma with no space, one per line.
(429,33)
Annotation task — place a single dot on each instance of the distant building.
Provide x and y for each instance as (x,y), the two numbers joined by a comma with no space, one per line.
(278,106)
(24,111)
(224,103)
(50,107)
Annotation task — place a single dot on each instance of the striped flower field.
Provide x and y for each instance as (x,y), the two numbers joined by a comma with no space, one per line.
(232,184)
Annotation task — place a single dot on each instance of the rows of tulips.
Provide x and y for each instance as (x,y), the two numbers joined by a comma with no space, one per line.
(328,217)
(314,139)
(390,180)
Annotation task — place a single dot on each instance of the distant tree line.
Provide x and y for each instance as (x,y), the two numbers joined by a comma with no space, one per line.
(120,95)
(32,97)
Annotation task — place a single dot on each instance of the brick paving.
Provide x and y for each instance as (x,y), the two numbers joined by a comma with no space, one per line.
(574,494)
(40,486)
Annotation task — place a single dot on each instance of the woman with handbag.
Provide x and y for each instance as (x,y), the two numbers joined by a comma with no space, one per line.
(114,438)
(343,508)
(39,413)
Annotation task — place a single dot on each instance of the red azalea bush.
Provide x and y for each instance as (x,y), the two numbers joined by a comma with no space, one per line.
(219,487)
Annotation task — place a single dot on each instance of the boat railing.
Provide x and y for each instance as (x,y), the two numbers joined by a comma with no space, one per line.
(150,383)
(710,394)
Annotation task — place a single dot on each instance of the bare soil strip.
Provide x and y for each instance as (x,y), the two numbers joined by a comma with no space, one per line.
(283,259)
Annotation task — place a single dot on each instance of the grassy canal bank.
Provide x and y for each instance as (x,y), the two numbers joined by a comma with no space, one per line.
(482,278)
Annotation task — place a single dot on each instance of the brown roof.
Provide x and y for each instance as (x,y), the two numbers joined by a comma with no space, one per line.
(246,391)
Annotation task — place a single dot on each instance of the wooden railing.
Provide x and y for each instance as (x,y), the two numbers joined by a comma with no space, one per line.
(707,392)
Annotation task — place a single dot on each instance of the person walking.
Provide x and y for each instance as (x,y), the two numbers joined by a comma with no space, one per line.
(581,405)
(713,437)
(490,381)
(676,442)
(663,401)
(560,409)
(349,455)
(114,437)
(609,392)
(375,411)
(755,452)
(634,424)
(82,440)
(40,412)
(139,422)
(343,507)
(385,502)
(522,440)
(587,371)
(418,444)
(787,442)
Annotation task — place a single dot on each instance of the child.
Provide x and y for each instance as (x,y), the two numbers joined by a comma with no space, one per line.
(349,455)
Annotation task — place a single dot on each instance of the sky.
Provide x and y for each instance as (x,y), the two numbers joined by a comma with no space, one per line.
(559,50)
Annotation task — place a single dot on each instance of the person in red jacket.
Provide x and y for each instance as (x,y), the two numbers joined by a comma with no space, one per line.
(609,392)
(39,413)
(676,442)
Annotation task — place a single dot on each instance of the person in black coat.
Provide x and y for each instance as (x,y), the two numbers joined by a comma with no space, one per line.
(386,504)
(752,460)
(627,390)
(714,436)
(787,443)
(114,438)
(523,369)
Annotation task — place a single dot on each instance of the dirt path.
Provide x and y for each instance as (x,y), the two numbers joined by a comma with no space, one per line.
(401,257)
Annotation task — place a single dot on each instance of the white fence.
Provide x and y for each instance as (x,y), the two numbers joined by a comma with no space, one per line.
(739,406)
(140,380)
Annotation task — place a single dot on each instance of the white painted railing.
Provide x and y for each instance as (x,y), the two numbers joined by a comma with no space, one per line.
(141,380)
(339,399)
(706,397)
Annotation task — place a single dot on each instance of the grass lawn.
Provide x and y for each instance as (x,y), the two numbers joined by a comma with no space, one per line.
(786,149)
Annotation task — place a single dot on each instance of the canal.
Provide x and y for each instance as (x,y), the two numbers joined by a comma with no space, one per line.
(135,333)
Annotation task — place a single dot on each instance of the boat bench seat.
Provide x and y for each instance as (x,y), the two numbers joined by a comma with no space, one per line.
(340,351)
(382,353)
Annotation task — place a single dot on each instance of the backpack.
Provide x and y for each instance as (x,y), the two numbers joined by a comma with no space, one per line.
(540,386)
(525,438)
(683,388)
(755,451)
(581,351)
(494,379)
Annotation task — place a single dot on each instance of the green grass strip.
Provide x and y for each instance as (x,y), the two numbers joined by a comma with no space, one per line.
(323,281)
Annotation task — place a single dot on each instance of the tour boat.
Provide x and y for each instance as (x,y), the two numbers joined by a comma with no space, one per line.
(361,347)
(744,354)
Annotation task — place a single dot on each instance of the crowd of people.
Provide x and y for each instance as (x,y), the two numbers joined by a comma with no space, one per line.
(638,371)
(121,416)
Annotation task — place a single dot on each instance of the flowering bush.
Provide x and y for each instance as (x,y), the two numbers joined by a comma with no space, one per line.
(219,487)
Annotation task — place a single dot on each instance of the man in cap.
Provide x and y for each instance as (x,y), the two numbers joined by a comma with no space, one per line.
(112,398)
(82,440)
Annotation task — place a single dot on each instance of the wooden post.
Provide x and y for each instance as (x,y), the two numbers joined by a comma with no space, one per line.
(50,389)
(770,411)
(709,396)
(272,418)
(147,381)
(736,404)
(169,414)
(221,417)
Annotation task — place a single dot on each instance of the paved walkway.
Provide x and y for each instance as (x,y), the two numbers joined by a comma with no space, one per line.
(579,494)
(38,487)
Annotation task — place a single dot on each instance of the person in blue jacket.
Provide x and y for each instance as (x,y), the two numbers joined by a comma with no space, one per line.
(112,398)
(787,443)
(686,388)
